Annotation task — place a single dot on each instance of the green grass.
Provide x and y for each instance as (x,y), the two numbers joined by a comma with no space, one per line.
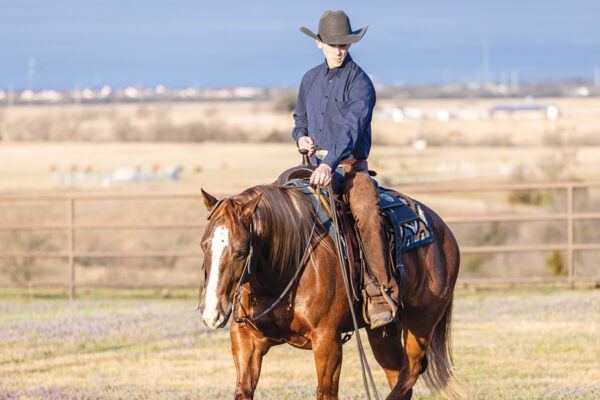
(529,343)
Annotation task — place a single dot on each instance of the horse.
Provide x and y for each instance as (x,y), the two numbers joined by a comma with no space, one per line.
(272,232)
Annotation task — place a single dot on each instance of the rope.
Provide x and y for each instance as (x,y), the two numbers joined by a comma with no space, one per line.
(365,369)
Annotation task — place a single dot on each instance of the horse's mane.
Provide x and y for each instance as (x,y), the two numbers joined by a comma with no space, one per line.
(283,221)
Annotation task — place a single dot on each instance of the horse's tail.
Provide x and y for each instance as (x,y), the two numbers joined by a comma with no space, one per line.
(440,374)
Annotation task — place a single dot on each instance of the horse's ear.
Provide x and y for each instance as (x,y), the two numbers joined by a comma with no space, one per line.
(209,201)
(250,207)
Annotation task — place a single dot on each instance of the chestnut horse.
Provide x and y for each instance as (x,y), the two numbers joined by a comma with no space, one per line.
(267,230)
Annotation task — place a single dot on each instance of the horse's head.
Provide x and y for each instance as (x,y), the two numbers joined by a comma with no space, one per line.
(226,244)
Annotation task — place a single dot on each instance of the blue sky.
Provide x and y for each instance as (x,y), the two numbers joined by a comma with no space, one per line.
(229,43)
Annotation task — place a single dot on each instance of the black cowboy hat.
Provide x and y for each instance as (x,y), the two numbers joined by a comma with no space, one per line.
(334,28)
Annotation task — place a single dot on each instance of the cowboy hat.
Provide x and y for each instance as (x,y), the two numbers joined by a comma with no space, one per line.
(334,28)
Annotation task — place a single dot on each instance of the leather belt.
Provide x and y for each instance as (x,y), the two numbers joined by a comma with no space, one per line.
(348,165)
(355,166)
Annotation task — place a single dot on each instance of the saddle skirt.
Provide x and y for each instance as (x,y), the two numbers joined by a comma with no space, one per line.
(405,222)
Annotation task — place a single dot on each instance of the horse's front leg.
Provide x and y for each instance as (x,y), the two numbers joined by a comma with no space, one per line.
(327,350)
(248,347)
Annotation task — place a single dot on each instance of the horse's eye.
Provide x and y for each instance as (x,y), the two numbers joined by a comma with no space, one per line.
(240,255)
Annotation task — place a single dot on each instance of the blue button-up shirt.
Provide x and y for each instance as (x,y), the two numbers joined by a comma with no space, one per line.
(334,108)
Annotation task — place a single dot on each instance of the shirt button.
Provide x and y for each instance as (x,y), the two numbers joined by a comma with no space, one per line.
(322,113)
(320,130)
(331,80)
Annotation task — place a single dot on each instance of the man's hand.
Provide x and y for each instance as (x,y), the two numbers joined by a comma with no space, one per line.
(321,175)
(306,143)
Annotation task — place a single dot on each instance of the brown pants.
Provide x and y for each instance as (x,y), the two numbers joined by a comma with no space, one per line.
(361,196)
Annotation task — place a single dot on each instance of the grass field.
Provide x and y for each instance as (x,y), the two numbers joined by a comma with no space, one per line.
(227,168)
(260,121)
(529,343)
(232,167)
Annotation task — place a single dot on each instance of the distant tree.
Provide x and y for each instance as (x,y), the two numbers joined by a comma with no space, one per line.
(286,101)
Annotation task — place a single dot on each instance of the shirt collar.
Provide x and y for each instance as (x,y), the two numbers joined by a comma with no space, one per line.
(336,71)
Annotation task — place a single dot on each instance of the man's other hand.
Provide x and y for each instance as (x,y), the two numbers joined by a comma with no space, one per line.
(306,143)
(321,175)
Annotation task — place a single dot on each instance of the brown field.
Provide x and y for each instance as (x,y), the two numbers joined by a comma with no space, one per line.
(229,167)
(74,149)
(227,146)
(524,343)
(258,121)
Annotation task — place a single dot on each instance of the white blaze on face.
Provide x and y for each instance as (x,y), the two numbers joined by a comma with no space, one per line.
(220,241)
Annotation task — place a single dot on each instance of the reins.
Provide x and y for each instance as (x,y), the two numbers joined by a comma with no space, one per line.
(365,369)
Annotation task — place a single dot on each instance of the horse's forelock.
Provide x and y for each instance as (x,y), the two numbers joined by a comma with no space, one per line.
(228,213)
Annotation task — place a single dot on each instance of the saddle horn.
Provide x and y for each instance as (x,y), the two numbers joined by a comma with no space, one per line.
(303,171)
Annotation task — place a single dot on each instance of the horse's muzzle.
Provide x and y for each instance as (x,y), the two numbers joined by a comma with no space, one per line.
(215,319)
(215,322)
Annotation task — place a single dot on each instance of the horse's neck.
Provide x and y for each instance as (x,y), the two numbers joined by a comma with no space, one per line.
(266,278)
(281,238)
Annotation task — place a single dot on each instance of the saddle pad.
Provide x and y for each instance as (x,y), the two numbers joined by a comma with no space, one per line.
(402,211)
(412,228)
(407,227)
(411,223)
(320,203)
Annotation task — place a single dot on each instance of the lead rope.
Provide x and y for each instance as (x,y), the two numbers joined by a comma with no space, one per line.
(365,369)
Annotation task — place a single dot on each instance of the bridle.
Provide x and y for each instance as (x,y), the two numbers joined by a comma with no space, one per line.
(246,271)
(365,369)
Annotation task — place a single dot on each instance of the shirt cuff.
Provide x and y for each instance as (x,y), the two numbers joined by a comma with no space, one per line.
(297,134)
(331,161)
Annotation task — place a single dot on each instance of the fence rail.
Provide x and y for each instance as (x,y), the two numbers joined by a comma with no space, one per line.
(72,227)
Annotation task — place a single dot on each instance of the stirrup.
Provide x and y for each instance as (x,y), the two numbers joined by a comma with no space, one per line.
(376,296)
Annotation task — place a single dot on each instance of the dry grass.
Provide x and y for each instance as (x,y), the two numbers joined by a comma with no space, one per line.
(226,168)
(37,139)
(231,167)
(257,121)
(526,344)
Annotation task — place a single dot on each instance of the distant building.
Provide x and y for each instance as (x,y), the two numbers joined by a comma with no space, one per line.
(528,110)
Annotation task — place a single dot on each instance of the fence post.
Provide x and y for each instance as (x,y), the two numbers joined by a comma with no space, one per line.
(570,253)
(71,238)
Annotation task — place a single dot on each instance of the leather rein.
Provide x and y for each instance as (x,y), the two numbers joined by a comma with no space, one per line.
(246,270)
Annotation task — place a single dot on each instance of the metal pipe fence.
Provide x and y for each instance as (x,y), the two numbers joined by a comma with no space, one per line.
(71,227)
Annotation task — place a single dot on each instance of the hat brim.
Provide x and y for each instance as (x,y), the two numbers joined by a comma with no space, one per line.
(345,39)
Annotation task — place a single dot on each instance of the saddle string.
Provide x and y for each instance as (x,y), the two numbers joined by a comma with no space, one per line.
(365,369)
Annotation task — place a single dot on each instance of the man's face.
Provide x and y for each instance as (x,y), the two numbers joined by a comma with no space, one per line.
(335,54)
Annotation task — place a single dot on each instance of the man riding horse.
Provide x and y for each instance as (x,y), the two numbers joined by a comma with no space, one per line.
(333,122)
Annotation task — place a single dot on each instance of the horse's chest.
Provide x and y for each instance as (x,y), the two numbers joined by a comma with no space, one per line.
(279,333)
